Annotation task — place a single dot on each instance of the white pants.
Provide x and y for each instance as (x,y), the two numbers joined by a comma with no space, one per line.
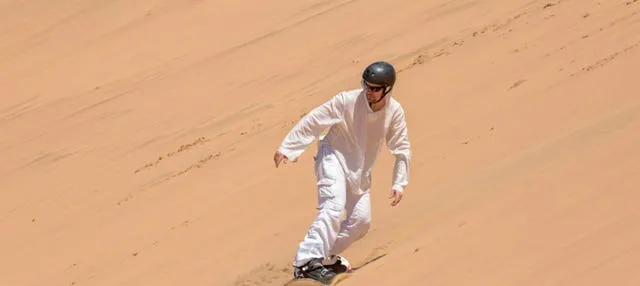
(328,234)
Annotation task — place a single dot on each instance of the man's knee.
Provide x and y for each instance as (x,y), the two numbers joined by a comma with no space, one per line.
(333,209)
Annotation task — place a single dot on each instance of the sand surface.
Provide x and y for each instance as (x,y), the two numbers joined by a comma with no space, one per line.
(137,140)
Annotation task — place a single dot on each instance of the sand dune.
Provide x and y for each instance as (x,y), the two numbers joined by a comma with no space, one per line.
(137,140)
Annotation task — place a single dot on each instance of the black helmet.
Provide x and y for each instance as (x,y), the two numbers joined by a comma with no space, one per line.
(381,73)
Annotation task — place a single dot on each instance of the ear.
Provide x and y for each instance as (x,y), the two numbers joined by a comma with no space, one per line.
(388,89)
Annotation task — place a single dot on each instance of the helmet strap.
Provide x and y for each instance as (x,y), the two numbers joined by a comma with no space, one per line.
(387,91)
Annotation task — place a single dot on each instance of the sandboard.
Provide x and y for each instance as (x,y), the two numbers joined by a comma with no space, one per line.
(339,278)
(310,282)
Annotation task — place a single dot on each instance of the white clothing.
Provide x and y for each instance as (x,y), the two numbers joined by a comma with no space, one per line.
(356,134)
(327,235)
(343,166)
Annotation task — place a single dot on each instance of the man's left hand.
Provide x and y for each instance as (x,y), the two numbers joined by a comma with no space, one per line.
(396,196)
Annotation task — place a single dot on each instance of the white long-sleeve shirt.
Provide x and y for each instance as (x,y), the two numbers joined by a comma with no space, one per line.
(355,134)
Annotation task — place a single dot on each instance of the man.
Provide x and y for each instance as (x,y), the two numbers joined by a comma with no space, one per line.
(359,120)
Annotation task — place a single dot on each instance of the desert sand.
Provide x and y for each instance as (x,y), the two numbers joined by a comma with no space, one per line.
(137,140)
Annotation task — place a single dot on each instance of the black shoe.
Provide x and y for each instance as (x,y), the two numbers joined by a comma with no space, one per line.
(314,270)
(338,264)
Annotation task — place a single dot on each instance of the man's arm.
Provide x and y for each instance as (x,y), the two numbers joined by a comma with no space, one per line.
(311,125)
(399,145)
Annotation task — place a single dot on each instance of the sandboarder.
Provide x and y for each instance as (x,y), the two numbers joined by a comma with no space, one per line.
(359,120)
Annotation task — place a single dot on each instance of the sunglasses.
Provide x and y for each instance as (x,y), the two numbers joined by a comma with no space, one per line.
(374,88)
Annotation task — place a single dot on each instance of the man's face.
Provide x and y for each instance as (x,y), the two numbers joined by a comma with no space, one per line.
(374,92)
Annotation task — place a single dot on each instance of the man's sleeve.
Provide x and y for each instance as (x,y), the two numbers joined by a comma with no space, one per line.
(399,145)
(311,125)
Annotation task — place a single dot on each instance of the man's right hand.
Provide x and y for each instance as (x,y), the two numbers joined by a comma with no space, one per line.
(279,157)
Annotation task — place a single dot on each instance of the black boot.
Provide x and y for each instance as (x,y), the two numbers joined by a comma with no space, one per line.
(314,270)
(339,265)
